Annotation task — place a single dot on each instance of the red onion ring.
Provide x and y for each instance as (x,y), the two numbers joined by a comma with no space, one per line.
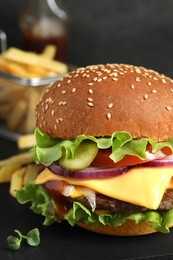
(103,172)
(90,172)
(166,161)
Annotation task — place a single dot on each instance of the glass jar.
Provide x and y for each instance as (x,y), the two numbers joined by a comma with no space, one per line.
(45,22)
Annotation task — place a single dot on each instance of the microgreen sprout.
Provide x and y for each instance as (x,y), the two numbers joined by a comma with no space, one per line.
(32,238)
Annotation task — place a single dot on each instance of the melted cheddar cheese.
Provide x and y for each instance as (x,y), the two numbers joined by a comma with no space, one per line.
(143,186)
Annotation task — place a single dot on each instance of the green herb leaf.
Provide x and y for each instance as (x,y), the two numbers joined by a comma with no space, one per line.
(13,242)
(33,237)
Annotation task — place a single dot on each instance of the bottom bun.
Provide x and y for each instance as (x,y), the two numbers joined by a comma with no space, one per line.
(129,228)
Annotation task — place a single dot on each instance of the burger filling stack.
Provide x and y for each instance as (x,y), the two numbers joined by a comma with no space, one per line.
(104,144)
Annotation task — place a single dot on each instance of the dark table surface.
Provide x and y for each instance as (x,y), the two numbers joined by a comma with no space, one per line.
(61,241)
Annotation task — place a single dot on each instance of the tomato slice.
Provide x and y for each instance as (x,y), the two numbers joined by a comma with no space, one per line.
(102,158)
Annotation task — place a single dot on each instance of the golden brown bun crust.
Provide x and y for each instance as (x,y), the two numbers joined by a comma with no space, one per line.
(129,228)
(101,99)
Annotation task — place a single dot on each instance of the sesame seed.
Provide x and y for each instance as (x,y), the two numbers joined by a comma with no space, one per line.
(132,87)
(168,108)
(137,70)
(60,103)
(90,99)
(115,79)
(149,83)
(64,103)
(59,84)
(95,79)
(63,92)
(110,105)
(90,84)
(108,115)
(99,73)
(53,112)
(171,89)
(163,81)
(90,104)
(105,77)
(90,91)
(69,81)
(46,107)
(99,80)
(154,91)
(55,126)
(145,97)
(73,90)
(76,75)
(58,120)
(137,79)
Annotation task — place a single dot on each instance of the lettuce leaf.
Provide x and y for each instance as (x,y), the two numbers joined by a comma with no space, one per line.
(160,219)
(42,203)
(49,150)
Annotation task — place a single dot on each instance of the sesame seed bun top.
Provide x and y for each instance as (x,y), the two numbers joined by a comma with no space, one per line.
(101,99)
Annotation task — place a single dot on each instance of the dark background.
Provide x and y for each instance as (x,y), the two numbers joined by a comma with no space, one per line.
(138,32)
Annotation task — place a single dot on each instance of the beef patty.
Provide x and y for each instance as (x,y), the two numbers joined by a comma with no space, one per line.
(114,205)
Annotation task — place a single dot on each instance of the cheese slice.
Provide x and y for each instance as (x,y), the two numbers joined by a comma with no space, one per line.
(143,186)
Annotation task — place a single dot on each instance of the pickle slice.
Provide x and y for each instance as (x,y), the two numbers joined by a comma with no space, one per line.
(83,156)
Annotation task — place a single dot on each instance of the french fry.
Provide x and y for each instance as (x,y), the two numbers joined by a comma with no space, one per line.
(17,102)
(28,125)
(8,98)
(5,109)
(19,159)
(13,68)
(36,71)
(17,170)
(19,56)
(7,171)
(49,51)
(30,174)
(17,181)
(26,141)
(16,115)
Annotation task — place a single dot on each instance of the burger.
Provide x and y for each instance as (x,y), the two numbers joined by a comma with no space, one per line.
(104,143)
